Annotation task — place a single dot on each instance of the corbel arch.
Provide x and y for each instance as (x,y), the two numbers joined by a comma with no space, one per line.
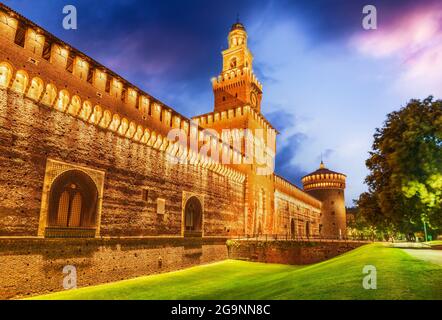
(85,111)
(62,100)
(20,82)
(50,95)
(75,106)
(35,89)
(6,70)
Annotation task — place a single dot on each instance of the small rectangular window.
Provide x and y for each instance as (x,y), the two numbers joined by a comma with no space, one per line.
(145,195)
(108,84)
(90,75)
(20,35)
(70,63)
(161,206)
(47,50)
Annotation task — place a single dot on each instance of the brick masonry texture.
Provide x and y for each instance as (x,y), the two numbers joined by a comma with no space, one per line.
(31,133)
(35,266)
(288,252)
(131,237)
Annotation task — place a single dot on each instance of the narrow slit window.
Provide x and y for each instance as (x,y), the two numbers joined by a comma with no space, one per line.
(145,195)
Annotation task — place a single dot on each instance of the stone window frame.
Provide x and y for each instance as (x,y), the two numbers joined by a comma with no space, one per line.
(54,168)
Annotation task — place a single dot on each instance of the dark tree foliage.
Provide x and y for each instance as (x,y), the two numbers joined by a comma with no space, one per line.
(405,180)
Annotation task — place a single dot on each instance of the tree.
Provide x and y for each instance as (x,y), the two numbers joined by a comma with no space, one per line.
(405,180)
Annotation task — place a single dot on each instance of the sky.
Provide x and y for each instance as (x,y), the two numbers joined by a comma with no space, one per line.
(328,82)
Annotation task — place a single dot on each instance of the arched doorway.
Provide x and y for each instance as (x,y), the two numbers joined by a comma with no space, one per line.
(193,218)
(73,202)
(292,228)
(307,229)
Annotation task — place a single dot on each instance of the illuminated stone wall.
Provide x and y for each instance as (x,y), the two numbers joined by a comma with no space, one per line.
(289,252)
(294,217)
(63,105)
(31,133)
(333,219)
(35,266)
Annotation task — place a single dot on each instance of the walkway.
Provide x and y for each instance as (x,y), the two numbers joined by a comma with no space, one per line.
(434,256)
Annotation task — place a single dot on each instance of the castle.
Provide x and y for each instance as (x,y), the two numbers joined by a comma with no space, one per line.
(87,155)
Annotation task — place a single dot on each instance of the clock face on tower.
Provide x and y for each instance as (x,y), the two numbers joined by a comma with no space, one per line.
(253,99)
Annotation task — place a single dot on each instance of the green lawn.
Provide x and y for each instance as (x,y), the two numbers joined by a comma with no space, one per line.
(400,276)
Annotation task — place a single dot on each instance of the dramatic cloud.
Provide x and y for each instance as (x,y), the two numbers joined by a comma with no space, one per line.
(413,42)
(327,82)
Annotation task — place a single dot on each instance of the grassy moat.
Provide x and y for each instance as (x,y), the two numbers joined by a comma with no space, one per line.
(399,276)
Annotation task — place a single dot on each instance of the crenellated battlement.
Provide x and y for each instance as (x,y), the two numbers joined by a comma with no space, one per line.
(290,189)
(324,178)
(235,77)
(41,67)
(235,140)
(215,117)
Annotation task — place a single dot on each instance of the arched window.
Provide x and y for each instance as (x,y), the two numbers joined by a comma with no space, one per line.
(36,89)
(292,228)
(5,74)
(50,95)
(193,216)
(20,82)
(74,106)
(73,202)
(62,101)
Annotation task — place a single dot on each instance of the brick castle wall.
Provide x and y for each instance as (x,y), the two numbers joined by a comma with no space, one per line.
(31,133)
(35,266)
(289,252)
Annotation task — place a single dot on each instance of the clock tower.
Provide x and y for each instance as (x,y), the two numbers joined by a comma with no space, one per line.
(237,84)
(238,120)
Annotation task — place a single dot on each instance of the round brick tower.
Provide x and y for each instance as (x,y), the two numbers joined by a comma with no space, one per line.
(328,186)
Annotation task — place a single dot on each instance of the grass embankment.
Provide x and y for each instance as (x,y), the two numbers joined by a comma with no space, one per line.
(399,276)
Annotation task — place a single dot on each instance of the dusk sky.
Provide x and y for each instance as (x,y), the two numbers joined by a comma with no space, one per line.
(328,83)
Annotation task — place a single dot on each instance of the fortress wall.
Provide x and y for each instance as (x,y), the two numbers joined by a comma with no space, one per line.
(290,209)
(86,77)
(31,133)
(35,266)
(289,252)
